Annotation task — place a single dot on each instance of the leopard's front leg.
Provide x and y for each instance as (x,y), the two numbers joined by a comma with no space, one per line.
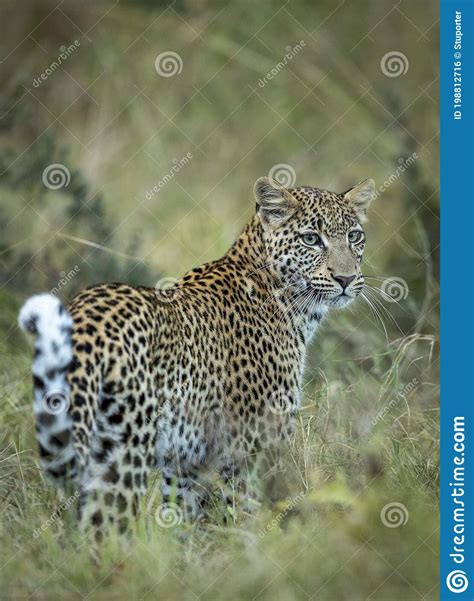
(184,494)
(242,489)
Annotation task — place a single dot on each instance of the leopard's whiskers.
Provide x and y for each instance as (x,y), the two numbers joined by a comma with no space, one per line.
(371,292)
(287,311)
(376,313)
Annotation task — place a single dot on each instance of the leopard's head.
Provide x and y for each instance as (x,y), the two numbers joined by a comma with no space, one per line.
(314,239)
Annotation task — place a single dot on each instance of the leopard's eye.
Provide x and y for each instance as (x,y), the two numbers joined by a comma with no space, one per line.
(355,236)
(312,239)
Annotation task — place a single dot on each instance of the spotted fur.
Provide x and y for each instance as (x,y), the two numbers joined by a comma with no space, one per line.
(203,377)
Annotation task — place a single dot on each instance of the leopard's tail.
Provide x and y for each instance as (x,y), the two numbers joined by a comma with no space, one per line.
(45,317)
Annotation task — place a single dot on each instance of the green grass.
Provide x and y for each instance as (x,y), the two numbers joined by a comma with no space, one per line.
(318,531)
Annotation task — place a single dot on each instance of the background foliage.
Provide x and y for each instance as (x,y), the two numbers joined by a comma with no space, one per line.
(335,118)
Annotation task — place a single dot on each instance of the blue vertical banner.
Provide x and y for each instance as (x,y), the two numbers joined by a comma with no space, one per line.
(457,300)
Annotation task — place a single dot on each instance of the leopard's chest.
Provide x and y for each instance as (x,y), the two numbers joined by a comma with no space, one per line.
(229,382)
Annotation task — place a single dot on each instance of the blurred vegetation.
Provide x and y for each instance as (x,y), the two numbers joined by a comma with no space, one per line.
(118,127)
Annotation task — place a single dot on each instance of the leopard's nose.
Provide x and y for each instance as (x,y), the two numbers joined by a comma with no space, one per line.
(344,280)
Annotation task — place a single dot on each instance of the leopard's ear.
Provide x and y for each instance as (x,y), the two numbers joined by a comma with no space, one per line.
(360,197)
(274,203)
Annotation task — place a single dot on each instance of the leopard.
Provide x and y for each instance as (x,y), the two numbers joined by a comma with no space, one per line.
(201,377)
